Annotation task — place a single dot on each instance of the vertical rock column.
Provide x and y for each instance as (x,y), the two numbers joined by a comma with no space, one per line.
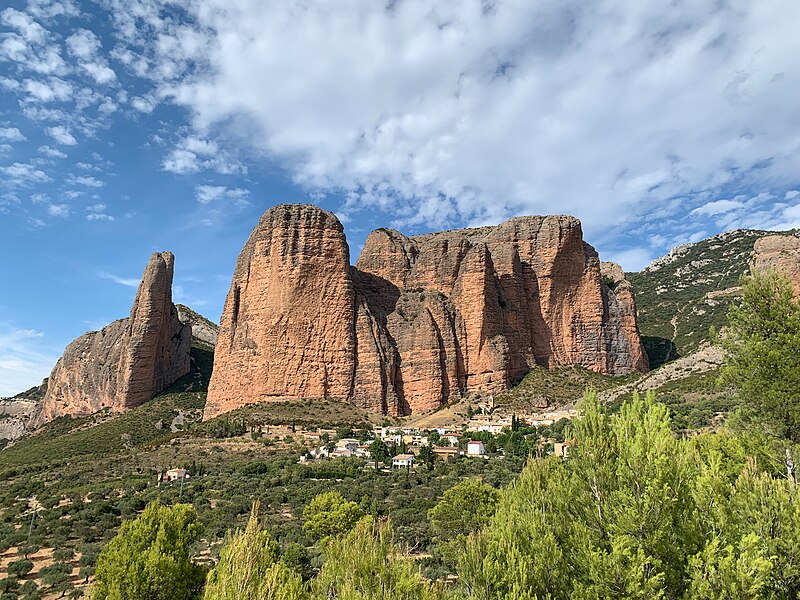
(287,328)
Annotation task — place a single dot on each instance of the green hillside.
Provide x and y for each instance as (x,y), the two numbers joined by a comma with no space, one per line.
(680,296)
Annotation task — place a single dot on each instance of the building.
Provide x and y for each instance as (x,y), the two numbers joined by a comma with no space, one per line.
(176,474)
(452,438)
(403,460)
(561,449)
(445,452)
(475,448)
(349,443)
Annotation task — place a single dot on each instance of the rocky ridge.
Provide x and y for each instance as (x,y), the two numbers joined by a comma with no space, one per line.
(130,360)
(419,320)
(203,330)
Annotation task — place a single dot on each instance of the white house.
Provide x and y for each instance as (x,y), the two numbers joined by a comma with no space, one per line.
(348,443)
(403,460)
(475,448)
(452,438)
(176,474)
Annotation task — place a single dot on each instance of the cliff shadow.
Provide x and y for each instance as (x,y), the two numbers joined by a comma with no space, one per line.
(659,350)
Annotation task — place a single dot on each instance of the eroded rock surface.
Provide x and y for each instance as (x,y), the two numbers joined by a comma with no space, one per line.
(419,320)
(127,362)
(780,253)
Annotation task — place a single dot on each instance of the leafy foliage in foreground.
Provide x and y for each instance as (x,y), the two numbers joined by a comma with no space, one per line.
(150,557)
(638,513)
(762,345)
(249,569)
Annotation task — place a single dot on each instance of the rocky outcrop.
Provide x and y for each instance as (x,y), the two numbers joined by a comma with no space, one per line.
(780,253)
(287,327)
(202,329)
(419,320)
(127,362)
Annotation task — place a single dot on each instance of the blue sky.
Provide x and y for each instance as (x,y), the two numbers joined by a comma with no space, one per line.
(130,126)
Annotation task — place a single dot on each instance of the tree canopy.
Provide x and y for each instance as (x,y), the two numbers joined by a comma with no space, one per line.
(249,569)
(762,354)
(330,515)
(149,559)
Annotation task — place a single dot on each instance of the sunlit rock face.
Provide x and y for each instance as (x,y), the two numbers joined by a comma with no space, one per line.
(419,320)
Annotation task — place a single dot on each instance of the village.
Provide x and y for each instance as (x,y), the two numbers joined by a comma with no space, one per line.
(403,447)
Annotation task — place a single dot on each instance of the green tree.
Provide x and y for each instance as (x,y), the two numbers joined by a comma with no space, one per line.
(367,565)
(636,512)
(248,569)
(330,515)
(762,353)
(20,568)
(149,557)
(379,452)
(464,508)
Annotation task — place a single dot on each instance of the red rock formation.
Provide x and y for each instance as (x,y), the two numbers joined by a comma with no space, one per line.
(127,362)
(780,253)
(287,328)
(419,320)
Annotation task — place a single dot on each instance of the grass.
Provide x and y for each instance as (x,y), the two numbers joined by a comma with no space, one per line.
(103,433)
(554,387)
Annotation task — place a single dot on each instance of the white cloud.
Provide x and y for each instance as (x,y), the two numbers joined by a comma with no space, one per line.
(11,134)
(439,112)
(126,281)
(88,181)
(25,359)
(144,104)
(194,154)
(792,195)
(24,173)
(62,135)
(29,29)
(53,89)
(716,207)
(85,46)
(58,210)
(631,259)
(52,152)
(48,9)
(206,194)
(97,212)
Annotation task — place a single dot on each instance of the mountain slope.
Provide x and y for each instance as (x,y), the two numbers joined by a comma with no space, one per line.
(681,295)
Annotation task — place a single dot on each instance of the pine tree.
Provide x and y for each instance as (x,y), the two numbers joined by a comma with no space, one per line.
(249,569)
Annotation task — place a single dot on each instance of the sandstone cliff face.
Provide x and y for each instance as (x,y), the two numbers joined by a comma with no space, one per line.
(779,253)
(419,320)
(287,328)
(127,362)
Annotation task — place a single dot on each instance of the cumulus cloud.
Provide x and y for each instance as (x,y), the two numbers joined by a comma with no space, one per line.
(51,152)
(206,194)
(85,46)
(62,135)
(24,173)
(447,112)
(194,154)
(97,212)
(88,181)
(58,210)
(11,134)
